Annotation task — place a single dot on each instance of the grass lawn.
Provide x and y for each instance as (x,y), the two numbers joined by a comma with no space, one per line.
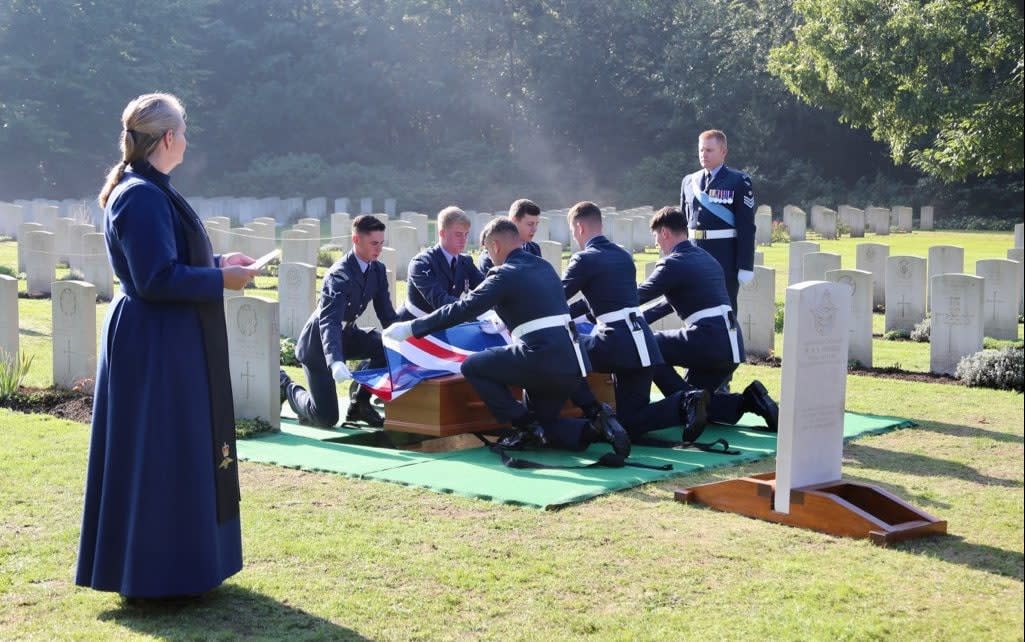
(328,557)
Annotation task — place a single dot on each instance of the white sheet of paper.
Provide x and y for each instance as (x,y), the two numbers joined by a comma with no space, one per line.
(261,262)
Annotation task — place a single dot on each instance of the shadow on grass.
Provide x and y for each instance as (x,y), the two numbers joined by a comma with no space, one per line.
(969,432)
(228,612)
(955,550)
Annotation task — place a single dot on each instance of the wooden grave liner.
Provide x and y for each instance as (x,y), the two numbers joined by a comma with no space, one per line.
(844,508)
(448,406)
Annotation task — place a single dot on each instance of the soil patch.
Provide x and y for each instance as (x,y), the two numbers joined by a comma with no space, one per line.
(66,404)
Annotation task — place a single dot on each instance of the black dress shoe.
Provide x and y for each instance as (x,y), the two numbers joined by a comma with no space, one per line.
(530,435)
(758,401)
(364,411)
(694,413)
(610,430)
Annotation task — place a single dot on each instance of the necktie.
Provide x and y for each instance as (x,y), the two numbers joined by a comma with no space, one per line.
(706,178)
(453,266)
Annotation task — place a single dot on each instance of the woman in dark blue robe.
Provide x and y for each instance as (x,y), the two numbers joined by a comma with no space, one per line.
(161,512)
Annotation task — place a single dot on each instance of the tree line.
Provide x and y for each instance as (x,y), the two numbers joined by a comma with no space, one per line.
(481,101)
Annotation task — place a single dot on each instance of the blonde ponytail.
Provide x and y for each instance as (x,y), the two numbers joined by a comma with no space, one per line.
(144,121)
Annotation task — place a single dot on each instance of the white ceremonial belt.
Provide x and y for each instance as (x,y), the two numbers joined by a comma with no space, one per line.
(711,235)
(630,315)
(554,321)
(723,311)
(415,311)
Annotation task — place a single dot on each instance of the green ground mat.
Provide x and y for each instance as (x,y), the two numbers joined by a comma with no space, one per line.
(479,473)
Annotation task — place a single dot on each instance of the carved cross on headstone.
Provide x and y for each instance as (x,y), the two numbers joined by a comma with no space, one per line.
(247,375)
(67,360)
(903,304)
(747,325)
(995,301)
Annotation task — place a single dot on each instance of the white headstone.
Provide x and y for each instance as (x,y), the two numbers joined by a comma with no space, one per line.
(366,205)
(297,296)
(45,214)
(856,221)
(262,239)
(316,208)
(62,239)
(795,271)
(419,221)
(1018,254)
(390,259)
(9,315)
(541,234)
(1000,297)
(480,221)
(551,251)
(76,254)
(759,258)
(558,227)
(827,224)
(816,264)
(859,343)
(763,228)
(295,247)
(815,216)
(756,305)
(956,321)
(217,228)
(796,221)
(74,332)
(906,284)
(341,229)
(254,355)
(95,265)
(404,240)
(1019,235)
(871,257)
(641,233)
(878,220)
(904,217)
(814,388)
(23,230)
(389,207)
(944,259)
(925,217)
(11,216)
(343,205)
(622,232)
(40,262)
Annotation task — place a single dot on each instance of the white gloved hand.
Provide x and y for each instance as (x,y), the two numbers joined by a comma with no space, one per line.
(340,371)
(492,326)
(745,275)
(399,331)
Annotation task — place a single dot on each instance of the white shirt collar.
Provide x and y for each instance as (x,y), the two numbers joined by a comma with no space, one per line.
(363,265)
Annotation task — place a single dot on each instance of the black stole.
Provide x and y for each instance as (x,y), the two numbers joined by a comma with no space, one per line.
(215,344)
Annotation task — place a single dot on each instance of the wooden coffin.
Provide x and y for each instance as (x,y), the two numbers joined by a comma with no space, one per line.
(450,406)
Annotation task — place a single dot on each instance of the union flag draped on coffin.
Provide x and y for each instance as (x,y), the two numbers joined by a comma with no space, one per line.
(436,355)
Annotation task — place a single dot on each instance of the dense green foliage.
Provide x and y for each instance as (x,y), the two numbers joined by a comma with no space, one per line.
(939,81)
(436,102)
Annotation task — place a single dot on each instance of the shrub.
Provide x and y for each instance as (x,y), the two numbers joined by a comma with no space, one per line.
(780,233)
(779,317)
(13,370)
(897,335)
(288,352)
(248,427)
(73,275)
(921,331)
(1000,369)
(326,256)
(7,270)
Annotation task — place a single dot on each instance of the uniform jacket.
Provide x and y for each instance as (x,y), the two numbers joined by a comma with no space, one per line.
(344,296)
(524,288)
(690,279)
(484,262)
(432,283)
(606,276)
(731,189)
